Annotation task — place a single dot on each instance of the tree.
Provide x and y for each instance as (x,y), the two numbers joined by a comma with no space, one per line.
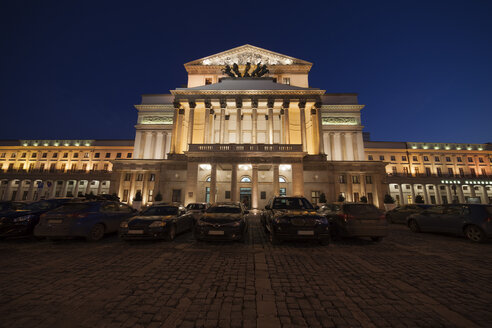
(158,197)
(388,199)
(322,198)
(138,197)
(419,199)
(341,199)
(363,199)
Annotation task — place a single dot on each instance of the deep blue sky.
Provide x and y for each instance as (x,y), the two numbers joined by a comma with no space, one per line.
(74,69)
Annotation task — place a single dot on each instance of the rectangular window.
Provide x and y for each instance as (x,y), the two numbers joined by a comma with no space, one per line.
(52,167)
(41,167)
(368,179)
(427,171)
(96,155)
(151,195)
(34,155)
(86,155)
(13,155)
(415,159)
(118,155)
(152,177)
(370,198)
(55,155)
(140,177)
(227,194)
(341,179)
(65,155)
(381,157)
(286,80)
(393,158)
(437,159)
(106,167)
(405,170)
(315,196)
(283,192)
(208,80)
(129,155)
(462,172)
(393,170)
(370,157)
(417,171)
(404,158)
(472,172)
(23,155)
(74,167)
(356,197)
(439,172)
(458,159)
(448,159)
(108,155)
(426,158)
(355,179)
(263,195)
(128,176)
(3,155)
(63,167)
(176,195)
(84,167)
(125,195)
(450,172)
(470,159)
(11,167)
(94,167)
(480,159)
(483,172)
(21,167)
(31,167)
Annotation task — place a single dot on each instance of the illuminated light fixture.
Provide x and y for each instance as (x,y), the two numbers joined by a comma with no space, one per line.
(414,147)
(45,144)
(56,144)
(206,167)
(87,144)
(458,148)
(77,144)
(35,144)
(24,144)
(244,167)
(480,148)
(469,148)
(425,147)
(66,144)
(285,167)
(447,148)
(436,147)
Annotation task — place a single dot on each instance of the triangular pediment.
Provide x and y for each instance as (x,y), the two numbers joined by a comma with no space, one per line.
(248,54)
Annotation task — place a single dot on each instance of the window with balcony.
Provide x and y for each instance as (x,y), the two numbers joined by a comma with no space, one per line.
(355,179)
(341,179)
(472,172)
(369,157)
(393,158)
(427,171)
(139,177)
(426,158)
(450,171)
(129,155)
(458,159)
(368,179)
(439,172)
(462,172)
(381,157)
(437,159)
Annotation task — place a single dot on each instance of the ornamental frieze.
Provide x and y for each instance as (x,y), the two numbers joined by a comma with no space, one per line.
(339,121)
(157,120)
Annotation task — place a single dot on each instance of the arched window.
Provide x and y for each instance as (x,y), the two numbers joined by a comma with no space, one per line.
(208,179)
(282,179)
(245,179)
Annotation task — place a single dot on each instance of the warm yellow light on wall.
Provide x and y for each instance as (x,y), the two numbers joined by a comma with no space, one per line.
(205,167)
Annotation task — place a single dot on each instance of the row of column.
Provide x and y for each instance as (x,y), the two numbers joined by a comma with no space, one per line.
(152,144)
(344,146)
(39,189)
(448,190)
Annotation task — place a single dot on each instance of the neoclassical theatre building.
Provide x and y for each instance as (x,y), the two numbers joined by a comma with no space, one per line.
(247,127)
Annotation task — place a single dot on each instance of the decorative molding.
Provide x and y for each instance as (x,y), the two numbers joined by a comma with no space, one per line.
(249,92)
(154,107)
(339,121)
(342,107)
(156,120)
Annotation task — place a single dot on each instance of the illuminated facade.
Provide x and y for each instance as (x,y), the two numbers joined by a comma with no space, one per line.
(232,139)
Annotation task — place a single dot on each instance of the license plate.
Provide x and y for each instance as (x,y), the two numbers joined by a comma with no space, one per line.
(55,221)
(216,233)
(135,232)
(305,232)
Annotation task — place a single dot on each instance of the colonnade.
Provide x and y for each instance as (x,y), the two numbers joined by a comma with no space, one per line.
(344,146)
(152,144)
(450,192)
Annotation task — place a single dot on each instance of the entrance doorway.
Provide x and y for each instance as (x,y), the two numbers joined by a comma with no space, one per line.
(245,197)
(207,194)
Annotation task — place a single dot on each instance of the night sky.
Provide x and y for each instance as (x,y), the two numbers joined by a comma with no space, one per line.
(74,69)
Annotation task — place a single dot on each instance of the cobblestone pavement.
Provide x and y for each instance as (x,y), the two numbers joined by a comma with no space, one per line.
(407,280)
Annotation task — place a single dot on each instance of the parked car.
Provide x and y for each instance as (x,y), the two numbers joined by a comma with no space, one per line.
(294,218)
(401,213)
(359,220)
(22,221)
(474,221)
(11,206)
(196,209)
(91,219)
(328,209)
(157,222)
(222,221)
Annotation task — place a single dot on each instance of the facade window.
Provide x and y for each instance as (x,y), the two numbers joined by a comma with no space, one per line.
(129,155)
(31,167)
(65,155)
(462,172)
(152,177)
(151,195)
(23,155)
(419,187)
(140,177)
(176,195)
(128,176)
(393,158)
(55,155)
(480,159)
(381,157)
(227,194)
(106,167)
(283,192)
(393,170)
(355,179)
(370,157)
(437,159)
(356,197)
(208,179)
(439,172)
(282,179)
(75,155)
(125,195)
(450,171)
(208,80)
(52,167)
(94,167)
(74,167)
(470,160)
(458,159)
(14,155)
(3,155)
(396,187)
(263,195)
(63,167)
(427,171)
(448,159)
(315,196)
(405,170)
(108,155)
(404,158)
(86,155)
(286,80)
(426,158)
(84,166)
(415,159)
(341,179)
(34,155)
(483,172)
(417,171)
(41,167)
(118,155)
(472,172)
(245,179)
(11,167)
(407,187)
(97,155)
(368,179)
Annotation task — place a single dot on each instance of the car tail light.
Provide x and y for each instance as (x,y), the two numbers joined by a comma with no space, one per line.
(382,217)
(346,217)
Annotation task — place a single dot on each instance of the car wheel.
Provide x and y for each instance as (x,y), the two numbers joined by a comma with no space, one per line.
(96,233)
(377,239)
(414,226)
(474,233)
(273,239)
(171,234)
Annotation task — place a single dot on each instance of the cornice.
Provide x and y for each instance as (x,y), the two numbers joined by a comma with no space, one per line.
(248,92)
(342,107)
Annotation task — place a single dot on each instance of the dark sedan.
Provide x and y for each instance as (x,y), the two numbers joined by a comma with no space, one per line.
(222,221)
(474,221)
(157,222)
(91,219)
(22,221)
(294,218)
(401,213)
(11,206)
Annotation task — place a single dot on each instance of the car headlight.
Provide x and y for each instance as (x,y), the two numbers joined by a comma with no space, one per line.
(24,218)
(124,224)
(236,223)
(281,220)
(157,224)
(322,221)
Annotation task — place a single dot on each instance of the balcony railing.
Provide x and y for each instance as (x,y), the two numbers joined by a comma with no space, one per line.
(58,171)
(424,175)
(244,148)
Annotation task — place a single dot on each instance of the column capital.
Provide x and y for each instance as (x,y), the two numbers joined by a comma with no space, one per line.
(270,102)
(208,104)
(239,103)
(254,103)
(223,103)
(192,104)
(286,104)
(302,104)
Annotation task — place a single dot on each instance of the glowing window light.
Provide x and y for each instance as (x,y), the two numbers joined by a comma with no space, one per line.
(87,144)
(436,147)
(35,144)
(245,179)
(206,167)
(281,179)
(56,144)
(244,167)
(285,167)
(77,144)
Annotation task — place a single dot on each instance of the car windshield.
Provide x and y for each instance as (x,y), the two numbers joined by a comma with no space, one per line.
(196,206)
(361,209)
(72,207)
(39,206)
(292,203)
(224,209)
(161,210)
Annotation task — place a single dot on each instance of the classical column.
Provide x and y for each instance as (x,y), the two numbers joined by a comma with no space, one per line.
(276,176)
(137,153)
(254,189)
(99,187)
(148,144)
(349,186)
(343,148)
(191,120)
(30,192)
(213,183)
(270,120)
(349,151)
(8,190)
(223,105)
(355,151)
(438,195)
(448,194)
(206,127)
(64,188)
(18,195)
(158,145)
(285,106)
(239,133)
(412,193)
(461,197)
(212,127)
(331,139)
(88,187)
(400,194)
(321,140)
(191,182)
(254,105)
(298,179)
(485,197)
(175,127)
(234,184)
(302,114)
(337,146)
(179,131)
(426,194)
(363,188)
